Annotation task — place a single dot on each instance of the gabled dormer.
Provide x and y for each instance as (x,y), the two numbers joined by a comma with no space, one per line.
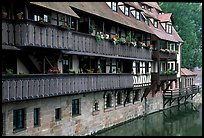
(166,22)
(113,6)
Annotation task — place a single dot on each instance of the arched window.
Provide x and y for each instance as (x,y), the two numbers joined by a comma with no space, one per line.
(108,100)
(119,98)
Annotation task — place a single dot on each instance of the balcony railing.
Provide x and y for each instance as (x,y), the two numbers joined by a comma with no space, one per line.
(141,80)
(163,77)
(162,55)
(21,87)
(30,33)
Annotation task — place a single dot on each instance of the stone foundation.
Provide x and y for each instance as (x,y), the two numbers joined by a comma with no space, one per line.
(88,122)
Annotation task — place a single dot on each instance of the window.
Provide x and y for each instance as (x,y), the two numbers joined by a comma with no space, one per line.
(36,116)
(57,114)
(119,98)
(19,119)
(67,64)
(146,67)
(108,100)
(36,17)
(143,7)
(126,11)
(149,8)
(137,67)
(156,23)
(75,107)
(96,106)
(45,18)
(114,6)
(136,95)
(169,28)
(128,98)
(137,15)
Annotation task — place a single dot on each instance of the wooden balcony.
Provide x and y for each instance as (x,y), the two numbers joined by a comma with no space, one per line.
(163,77)
(22,87)
(162,55)
(32,34)
(141,80)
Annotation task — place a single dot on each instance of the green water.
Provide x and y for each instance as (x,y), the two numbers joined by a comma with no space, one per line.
(183,120)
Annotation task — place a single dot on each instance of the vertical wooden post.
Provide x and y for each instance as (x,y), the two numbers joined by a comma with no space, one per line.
(25,11)
(89,20)
(44,64)
(103,27)
(77,24)
(57,19)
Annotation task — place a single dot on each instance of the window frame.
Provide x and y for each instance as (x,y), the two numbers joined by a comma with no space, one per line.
(19,118)
(114,6)
(76,107)
(127,11)
(137,15)
(155,23)
(36,111)
(58,115)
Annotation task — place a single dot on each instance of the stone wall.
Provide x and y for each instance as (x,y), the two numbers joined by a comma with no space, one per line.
(85,123)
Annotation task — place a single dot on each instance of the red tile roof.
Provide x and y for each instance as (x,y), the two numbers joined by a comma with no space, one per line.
(153,4)
(187,72)
(164,17)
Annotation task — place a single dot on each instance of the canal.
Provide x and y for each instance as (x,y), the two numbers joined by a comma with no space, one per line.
(183,120)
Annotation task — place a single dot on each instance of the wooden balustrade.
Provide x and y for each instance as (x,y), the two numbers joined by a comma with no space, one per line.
(141,80)
(20,87)
(30,33)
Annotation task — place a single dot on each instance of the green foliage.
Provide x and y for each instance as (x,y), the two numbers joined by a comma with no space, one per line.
(187,20)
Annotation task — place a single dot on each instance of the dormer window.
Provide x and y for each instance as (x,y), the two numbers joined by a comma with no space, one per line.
(149,8)
(137,15)
(169,28)
(126,10)
(114,6)
(155,23)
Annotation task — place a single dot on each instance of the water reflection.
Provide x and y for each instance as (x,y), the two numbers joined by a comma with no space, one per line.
(185,120)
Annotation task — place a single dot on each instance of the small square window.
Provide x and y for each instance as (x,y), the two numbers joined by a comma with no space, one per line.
(58,114)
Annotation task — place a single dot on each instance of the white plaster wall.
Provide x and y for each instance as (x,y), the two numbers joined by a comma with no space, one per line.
(121,8)
(59,64)
(75,63)
(133,12)
(179,61)
(21,69)
(109,4)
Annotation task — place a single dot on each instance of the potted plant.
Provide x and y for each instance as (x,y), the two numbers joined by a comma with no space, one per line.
(20,15)
(65,25)
(92,30)
(4,13)
(9,71)
(54,70)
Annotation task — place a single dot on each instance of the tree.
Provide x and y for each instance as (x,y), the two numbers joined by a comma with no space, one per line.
(187,19)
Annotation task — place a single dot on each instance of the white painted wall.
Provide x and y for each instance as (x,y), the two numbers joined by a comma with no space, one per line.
(121,8)
(59,63)
(133,12)
(21,68)
(75,63)
(163,25)
(179,61)
(109,4)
